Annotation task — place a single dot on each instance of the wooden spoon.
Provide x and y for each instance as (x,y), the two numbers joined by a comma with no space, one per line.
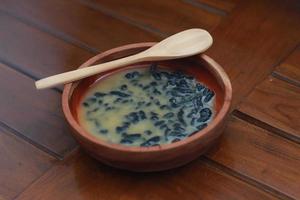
(183,44)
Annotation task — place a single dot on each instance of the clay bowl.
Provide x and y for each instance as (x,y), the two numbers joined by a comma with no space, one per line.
(154,158)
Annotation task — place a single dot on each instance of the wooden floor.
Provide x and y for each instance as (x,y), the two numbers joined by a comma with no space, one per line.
(257,43)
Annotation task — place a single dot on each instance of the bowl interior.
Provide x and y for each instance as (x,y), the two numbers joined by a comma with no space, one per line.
(195,66)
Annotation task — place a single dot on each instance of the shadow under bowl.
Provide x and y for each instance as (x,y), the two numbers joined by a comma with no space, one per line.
(155,158)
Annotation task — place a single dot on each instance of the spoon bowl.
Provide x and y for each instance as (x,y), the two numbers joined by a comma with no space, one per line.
(183,44)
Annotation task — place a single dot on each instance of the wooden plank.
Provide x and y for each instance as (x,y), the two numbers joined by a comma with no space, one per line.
(244,42)
(36,115)
(260,155)
(226,5)
(276,103)
(168,16)
(245,58)
(20,164)
(76,23)
(290,68)
(35,52)
(84,178)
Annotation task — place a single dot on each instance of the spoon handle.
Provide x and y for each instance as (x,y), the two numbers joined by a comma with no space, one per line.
(78,74)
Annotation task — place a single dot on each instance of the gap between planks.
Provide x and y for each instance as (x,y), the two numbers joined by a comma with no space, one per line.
(112,14)
(251,120)
(67,156)
(207,7)
(37,145)
(20,70)
(57,34)
(284,78)
(223,169)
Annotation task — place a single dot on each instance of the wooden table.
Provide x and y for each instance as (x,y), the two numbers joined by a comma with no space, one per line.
(257,43)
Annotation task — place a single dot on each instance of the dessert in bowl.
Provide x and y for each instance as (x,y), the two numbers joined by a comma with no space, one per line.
(149,116)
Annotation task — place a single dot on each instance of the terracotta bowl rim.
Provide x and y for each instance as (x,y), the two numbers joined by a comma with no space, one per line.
(79,131)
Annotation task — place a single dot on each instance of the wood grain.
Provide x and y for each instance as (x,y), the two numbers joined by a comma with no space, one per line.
(254,37)
(261,156)
(226,5)
(276,103)
(77,24)
(35,52)
(290,68)
(20,164)
(84,178)
(244,42)
(167,17)
(35,115)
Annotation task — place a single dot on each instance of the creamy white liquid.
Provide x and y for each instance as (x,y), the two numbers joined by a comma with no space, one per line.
(95,116)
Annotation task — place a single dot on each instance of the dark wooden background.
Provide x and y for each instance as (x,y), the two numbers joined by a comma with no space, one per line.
(257,43)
